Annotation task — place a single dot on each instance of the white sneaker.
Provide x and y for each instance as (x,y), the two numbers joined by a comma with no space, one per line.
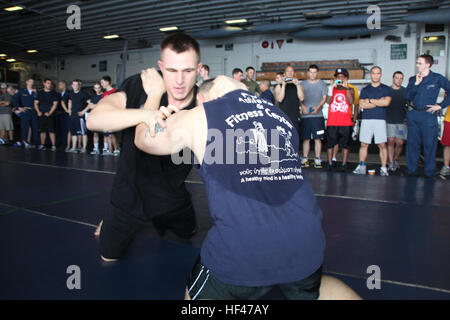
(360,169)
(396,165)
(95,151)
(27,145)
(445,171)
(116,153)
(384,172)
(317,163)
(83,151)
(42,147)
(107,153)
(73,150)
(2,141)
(53,148)
(391,166)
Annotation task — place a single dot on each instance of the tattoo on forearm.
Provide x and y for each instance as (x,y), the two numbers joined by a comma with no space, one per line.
(147,133)
(158,128)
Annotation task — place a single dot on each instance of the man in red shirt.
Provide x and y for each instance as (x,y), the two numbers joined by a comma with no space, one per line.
(109,138)
(339,125)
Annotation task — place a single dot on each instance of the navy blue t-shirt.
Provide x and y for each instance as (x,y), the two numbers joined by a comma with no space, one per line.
(79,101)
(268,95)
(95,98)
(46,100)
(267,223)
(371,92)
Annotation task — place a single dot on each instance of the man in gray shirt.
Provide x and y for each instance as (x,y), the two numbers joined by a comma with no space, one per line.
(312,124)
(6,123)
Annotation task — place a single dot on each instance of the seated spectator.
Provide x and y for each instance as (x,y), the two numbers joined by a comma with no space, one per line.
(237,74)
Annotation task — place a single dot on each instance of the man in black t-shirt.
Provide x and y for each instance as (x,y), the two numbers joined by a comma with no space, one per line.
(289,93)
(396,121)
(148,188)
(45,105)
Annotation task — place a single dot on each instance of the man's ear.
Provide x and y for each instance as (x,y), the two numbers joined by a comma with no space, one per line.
(160,65)
(199,67)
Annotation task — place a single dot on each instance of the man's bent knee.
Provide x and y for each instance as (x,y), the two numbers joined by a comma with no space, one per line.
(334,289)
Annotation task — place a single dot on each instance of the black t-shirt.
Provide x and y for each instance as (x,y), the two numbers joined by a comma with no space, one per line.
(79,101)
(290,104)
(143,179)
(65,98)
(46,100)
(396,112)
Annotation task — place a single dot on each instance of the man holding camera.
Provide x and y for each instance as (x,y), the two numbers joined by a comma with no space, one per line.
(289,93)
(339,123)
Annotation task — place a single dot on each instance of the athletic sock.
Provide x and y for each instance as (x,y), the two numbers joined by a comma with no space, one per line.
(96,146)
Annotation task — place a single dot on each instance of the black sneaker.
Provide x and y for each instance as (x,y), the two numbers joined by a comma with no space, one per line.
(334,164)
(344,167)
(330,166)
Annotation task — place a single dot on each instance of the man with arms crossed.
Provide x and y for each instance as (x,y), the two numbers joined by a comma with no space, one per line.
(373,101)
(147,188)
(266,232)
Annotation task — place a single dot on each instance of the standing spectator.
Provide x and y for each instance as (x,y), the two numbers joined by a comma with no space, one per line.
(77,102)
(313,126)
(237,74)
(445,170)
(266,94)
(92,103)
(62,117)
(6,123)
(339,124)
(45,105)
(23,101)
(396,121)
(289,93)
(373,101)
(423,91)
(110,141)
(355,114)
(251,84)
(204,74)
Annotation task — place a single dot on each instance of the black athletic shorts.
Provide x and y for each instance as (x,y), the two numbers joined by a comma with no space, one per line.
(47,124)
(339,135)
(203,285)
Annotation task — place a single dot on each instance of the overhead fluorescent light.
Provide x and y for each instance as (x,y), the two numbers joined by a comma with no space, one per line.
(317,13)
(111,36)
(3,54)
(236,21)
(430,38)
(11,60)
(14,8)
(32,51)
(165,29)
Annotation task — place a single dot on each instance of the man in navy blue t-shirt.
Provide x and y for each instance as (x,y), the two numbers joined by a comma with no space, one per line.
(373,101)
(267,224)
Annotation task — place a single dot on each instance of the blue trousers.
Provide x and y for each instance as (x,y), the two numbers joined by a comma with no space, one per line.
(422,129)
(62,129)
(29,117)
